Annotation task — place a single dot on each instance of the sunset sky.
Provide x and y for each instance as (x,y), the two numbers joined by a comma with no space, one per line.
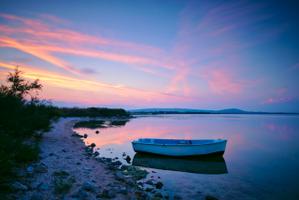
(135,54)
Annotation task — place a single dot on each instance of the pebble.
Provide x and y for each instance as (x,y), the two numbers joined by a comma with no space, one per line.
(36,196)
(108,194)
(123,190)
(43,186)
(19,186)
(119,176)
(88,186)
(85,135)
(29,169)
(128,159)
(159,185)
(177,197)
(209,197)
(149,182)
(116,163)
(41,168)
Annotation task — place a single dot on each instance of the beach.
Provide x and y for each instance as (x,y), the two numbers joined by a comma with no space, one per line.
(67,169)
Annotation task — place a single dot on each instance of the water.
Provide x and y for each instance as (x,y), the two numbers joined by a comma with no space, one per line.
(261,160)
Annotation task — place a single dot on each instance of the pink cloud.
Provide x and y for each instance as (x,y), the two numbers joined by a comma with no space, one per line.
(42,40)
(279,95)
(221,82)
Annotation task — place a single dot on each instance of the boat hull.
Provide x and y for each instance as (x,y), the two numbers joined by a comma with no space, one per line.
(181,150)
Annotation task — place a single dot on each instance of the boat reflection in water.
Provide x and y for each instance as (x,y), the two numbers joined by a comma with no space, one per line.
(200,165)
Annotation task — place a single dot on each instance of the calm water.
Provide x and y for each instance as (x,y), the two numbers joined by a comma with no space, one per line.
(261,159)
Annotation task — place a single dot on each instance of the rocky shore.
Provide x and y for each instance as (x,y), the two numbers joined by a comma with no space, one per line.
(68,169)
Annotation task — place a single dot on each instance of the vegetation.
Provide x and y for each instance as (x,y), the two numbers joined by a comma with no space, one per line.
(23,117)
(93,112)
(93,124)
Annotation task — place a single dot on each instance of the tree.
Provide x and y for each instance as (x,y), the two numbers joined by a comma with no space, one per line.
(19,87)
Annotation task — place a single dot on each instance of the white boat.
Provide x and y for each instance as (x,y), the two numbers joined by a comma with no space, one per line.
(177,147)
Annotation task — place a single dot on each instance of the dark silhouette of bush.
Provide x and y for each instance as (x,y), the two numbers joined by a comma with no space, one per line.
(93,112)
(22,115)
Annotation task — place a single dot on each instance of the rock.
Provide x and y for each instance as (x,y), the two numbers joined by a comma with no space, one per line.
(77,135)
(116,163)
(88,186)
(140,194)
(136,172)
(149,182)
(85,135)
(41,168)
(159,185)
(140,184)
(17,186)
(81,195)
(124,154)
(43,186)
(108,194)
(124,167)
(158,195)
(119,176)
(177,197)
(97,132)
(29,169)
(123,190)
(149,189)
(128,159)
(130,182)
(96,153)
(93,145)
(36,196)
(209,197)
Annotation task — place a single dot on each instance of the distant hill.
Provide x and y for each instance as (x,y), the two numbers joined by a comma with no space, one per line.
(196,111)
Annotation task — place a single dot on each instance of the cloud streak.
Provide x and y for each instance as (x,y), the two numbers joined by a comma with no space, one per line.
(43,41)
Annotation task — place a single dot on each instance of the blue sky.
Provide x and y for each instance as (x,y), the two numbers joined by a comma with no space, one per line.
(192,54)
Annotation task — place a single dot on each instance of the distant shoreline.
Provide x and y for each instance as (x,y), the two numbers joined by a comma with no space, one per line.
(200,113)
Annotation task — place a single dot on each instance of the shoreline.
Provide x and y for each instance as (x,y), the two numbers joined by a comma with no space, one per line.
(68,169)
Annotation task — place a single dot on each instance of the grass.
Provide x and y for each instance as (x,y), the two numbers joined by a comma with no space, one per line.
(93,124)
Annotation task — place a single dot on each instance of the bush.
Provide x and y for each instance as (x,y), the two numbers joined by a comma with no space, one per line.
(21,118)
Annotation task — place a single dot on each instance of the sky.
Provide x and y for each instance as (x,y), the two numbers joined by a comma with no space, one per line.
(141,54)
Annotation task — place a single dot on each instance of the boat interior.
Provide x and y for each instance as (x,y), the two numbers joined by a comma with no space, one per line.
(176,141)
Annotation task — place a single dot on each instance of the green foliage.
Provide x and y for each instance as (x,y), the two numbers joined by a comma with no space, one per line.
(90,124)
(20,120)
(93,112)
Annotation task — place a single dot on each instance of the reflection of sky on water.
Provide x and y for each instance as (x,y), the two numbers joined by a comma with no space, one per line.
(262,154)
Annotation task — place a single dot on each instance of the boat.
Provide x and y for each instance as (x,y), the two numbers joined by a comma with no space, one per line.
(178,147)
(198,165)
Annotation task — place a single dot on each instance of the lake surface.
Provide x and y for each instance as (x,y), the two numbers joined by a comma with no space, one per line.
(261,160)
